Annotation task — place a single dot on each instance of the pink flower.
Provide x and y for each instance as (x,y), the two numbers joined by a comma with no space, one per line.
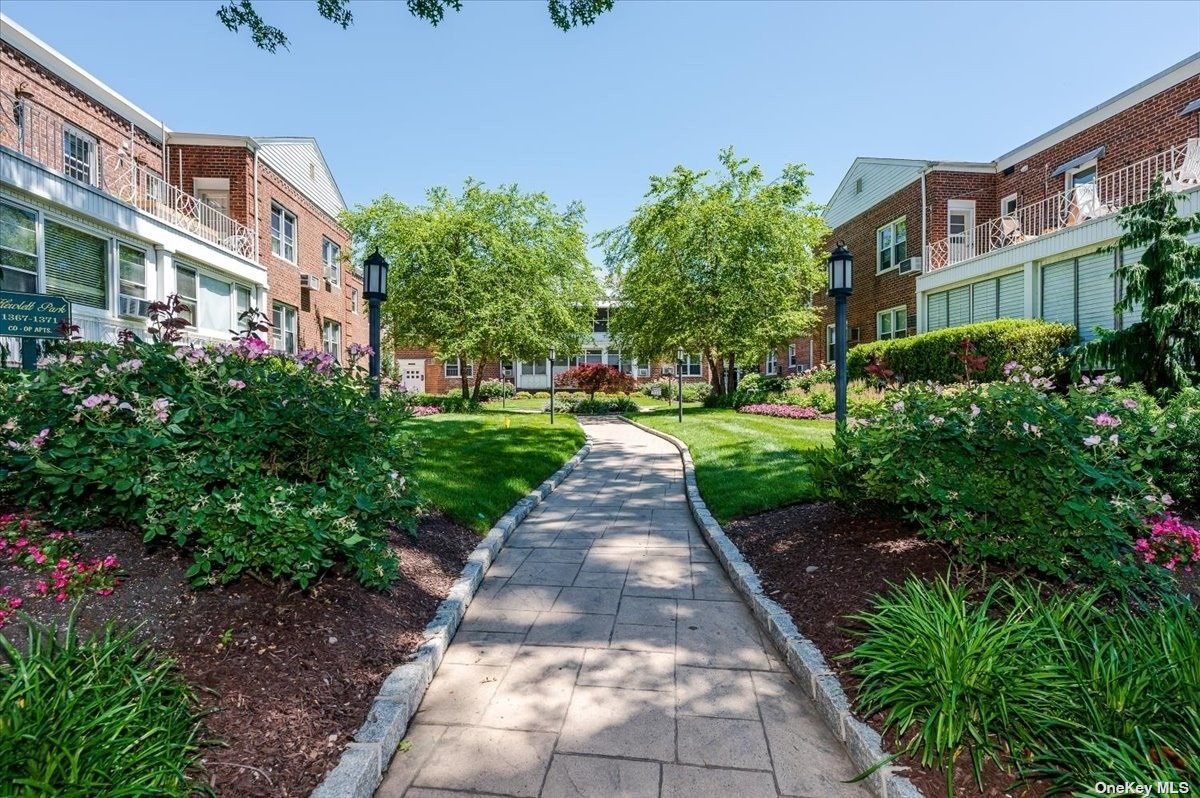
(1130,404)
(237,385)
(1106,420)
(1091,440)
(130,365)
(42,588)
(15,602)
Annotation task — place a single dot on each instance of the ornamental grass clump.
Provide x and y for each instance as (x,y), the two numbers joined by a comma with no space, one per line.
(91,716)
(1015,472)
(249,459)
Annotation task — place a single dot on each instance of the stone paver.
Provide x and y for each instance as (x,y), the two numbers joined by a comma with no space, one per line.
(607,654)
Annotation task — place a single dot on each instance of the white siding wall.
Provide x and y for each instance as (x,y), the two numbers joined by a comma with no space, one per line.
(292,159)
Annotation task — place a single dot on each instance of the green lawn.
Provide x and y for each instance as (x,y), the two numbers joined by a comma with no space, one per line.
(744,463)
(474,467)
(493,405)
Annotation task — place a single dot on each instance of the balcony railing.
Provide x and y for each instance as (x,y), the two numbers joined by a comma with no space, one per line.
(52,141)
(1108,194)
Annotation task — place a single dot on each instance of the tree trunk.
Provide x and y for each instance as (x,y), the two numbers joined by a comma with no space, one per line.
(733,378)
(462,377)
(714,374)
(478,378)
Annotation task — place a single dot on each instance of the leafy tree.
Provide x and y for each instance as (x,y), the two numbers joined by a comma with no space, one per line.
(596,377)
(721,264)
(486,275)
(565,14)
(1162,350)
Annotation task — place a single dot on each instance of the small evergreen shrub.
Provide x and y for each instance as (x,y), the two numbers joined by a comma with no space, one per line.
(932,357)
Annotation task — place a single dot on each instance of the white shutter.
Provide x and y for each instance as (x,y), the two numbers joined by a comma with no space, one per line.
(1096,294)
(935,311)
(1011,288)
(959,302)
(983,301)
(1058,292)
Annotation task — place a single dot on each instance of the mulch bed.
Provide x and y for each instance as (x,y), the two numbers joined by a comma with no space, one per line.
(286,676)
(821,563)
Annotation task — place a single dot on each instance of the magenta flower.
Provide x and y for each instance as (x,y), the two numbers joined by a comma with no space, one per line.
(781,411)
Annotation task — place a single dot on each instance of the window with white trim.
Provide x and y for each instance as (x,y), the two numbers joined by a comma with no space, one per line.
(454,369)
(283,233)
(283,327)
(891,245)
(631,365)
(214,303)
(830,341)
(891,323)
(331,339)
(772,362)
(76,265)
(593,357)
(1082,174)
(533,368)
(354,300)
(1008,205)
(331,254)
(79,155)
(186,290)
(18,249)
(132,296)
(791,356)
(692,365)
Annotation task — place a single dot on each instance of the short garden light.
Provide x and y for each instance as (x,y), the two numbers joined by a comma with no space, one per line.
(553,354)
(375,273)
(679,356)
(841,285)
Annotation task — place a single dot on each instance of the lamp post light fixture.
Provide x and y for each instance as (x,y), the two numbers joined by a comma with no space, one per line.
(553,355)
(841,285)
(375,273)
(679,355)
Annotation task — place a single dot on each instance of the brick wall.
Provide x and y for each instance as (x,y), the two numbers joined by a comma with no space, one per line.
(53,98)
(236,164)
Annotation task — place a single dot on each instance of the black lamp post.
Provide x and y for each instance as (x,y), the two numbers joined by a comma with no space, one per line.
(841,285)
(553,354)
(375,272)
(679,355)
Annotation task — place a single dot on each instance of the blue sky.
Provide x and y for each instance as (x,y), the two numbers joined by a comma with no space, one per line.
(497,93)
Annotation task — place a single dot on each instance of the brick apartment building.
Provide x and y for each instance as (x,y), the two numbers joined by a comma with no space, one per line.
(103,203)
(940,243)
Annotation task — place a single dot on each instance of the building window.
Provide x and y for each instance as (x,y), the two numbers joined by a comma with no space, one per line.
(212,192)
(283,233)
(1008,205)
(772,362)
(830,341)
(76,265)
(242,304)
(692,366)
(354,300)
(593,356)
(331,254)
(185,289)
(454,369)
(537,367)
(131,299)
(600,321)
(892,323)
(283,327)
(18,249)
(891,245)
(631,366)
(1081,175)
(79,155)
(331,339)
(791,356)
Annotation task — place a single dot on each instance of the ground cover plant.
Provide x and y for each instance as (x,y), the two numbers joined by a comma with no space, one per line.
(475,467)
(96,715)
(745,463)
(248,459)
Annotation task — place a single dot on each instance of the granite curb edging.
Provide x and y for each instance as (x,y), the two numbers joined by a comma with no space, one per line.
(360,769)
(804,659)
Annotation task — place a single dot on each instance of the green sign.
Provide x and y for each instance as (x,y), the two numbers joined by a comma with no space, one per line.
(32,315)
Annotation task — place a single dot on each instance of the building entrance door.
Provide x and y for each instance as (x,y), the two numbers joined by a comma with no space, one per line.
(412,375)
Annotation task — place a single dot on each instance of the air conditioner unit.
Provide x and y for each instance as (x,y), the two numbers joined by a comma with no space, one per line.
(910,265)
(310,281)
(132,306)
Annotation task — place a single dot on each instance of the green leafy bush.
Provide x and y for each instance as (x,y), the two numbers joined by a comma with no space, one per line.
(1065,688)
(1180,461)
(541,395)
(1012,471)
(929,356)
(250,460)
(449,403)
(667,387)
(496,389)
(522,395)
(97,716)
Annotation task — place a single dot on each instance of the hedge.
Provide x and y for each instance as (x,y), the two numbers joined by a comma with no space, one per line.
(928,356)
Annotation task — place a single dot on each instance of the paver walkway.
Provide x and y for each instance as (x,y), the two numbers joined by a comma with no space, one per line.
(606,654)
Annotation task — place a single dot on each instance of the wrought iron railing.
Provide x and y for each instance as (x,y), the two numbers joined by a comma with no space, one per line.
(1108,194)
(45,137)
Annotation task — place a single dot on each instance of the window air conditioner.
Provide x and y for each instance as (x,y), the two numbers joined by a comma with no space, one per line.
(310,281)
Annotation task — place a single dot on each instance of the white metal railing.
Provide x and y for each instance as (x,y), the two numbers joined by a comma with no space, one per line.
(1108,194)
(47,138)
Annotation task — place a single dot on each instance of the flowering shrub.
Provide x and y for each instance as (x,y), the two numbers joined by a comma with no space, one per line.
(250,459)
(1013,471)
(496,389)
(1171,544)
(425,410)
(782,411)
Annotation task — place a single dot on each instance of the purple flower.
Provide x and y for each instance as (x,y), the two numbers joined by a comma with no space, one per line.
(237,385)
(1130,404)
(1106,420)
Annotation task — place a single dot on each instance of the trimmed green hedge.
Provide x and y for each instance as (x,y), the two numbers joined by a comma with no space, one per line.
(928,356)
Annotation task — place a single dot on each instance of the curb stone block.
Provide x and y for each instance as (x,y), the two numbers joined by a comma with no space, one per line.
(360,768)
(803,658)
(356,775)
